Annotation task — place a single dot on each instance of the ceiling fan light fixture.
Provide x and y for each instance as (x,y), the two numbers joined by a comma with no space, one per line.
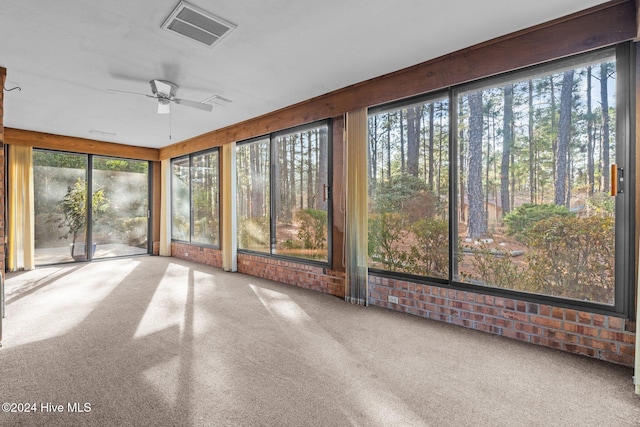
(164,106)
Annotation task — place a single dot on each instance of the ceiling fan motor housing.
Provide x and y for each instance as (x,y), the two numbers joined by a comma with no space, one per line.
(163,88)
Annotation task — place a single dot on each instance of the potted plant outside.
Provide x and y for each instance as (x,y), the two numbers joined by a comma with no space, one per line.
(74,209)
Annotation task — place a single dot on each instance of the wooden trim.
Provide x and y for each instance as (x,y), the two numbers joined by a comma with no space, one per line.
(601,26)
(337,192)
(635,111)
(78,145)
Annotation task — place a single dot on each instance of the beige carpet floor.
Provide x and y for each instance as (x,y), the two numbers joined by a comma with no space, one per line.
(158,341)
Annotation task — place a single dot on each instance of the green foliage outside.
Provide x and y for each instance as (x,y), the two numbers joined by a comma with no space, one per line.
(134,230)
(602,204)
(430,254)
(569,257)
(386,230)
(313,228)
(74,208)
(524,216)
(406,231)
(572,257)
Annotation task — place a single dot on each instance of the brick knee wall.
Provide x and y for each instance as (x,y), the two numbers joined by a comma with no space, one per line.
(200,254)
(303,275)
(599,336)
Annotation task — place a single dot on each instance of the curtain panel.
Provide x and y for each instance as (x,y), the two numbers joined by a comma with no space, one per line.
(356,228)
(21,232)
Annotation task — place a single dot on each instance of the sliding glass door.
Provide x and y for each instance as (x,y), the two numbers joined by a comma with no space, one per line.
(120,215)
(118,211)
(60,192)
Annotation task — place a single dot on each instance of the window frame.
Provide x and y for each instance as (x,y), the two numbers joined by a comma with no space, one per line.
(271,138)
(430,97)
(623,305)
(89,220)
(190,157)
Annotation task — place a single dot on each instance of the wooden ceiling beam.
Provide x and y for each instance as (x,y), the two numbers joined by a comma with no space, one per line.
(78,145)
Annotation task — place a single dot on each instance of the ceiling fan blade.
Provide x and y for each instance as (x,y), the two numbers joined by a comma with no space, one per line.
(131,93)
(164,107)
(193,104)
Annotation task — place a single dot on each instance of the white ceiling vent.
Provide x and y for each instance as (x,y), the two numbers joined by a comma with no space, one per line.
(197,24)
(217,100)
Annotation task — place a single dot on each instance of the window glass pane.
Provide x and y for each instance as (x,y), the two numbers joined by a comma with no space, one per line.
(180,203)
(120,207)
(301,161)
(409,189)
(205,196)
(253,201)
(60,206)
(533,177)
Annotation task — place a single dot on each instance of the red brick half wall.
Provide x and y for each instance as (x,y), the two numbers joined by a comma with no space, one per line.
(303,275)
(595,335)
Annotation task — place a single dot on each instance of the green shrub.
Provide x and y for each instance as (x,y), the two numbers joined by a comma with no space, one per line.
(525,216)
(390,194)
(573,258)
(603,204)
(430,255)
(313,228)
(496,268)
(386,232)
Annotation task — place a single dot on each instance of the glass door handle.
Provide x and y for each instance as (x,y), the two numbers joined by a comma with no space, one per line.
(617,180)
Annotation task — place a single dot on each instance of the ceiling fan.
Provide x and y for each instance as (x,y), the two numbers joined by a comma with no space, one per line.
(165,92)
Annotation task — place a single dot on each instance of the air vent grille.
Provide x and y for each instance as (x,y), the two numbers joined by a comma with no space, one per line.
(216,100)
(197,24)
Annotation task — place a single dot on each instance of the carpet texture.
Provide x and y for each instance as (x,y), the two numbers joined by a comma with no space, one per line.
(155,341)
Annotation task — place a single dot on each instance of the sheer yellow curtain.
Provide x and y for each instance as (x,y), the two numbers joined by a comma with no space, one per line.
(21,245)
(165,208)
(229,243)
(356,229)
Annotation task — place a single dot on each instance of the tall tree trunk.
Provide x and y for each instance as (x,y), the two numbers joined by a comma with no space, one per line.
(440,149)
(292,141)
(373,154)
(477,224)
(431,144)
(604,98)
(413,139)
(532,165)
(311,136)
(590,139)
(323,147)
(402,157)
(389,146)
(507,142)
(461,160)
(564,138)
(553,133)
(257,196)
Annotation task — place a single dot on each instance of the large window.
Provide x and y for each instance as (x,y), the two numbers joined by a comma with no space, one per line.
(254,203)
(117,210)
(505,184)
(409,188)
(293,166)
(195,198)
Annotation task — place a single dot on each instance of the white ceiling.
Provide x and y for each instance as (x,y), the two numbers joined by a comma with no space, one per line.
(66,54)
